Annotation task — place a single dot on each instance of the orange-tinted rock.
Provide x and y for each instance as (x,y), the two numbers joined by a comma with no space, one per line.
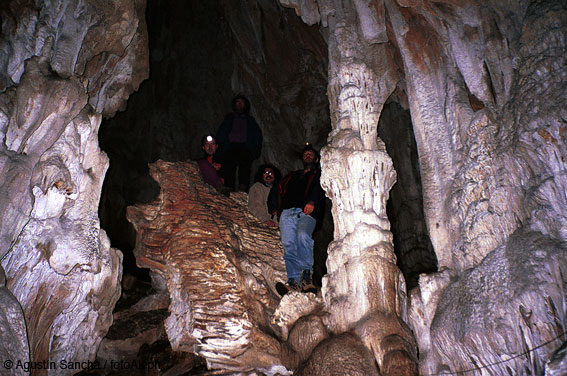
(220,265)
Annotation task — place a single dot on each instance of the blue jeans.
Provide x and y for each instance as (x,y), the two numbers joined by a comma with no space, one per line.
(296,228)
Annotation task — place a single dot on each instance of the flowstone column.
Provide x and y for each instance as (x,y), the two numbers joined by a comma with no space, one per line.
(364,291)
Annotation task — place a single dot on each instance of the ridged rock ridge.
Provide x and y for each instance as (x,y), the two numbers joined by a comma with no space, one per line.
(220,265)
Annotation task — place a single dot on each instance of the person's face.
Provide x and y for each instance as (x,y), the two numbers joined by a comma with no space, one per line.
(309,157)
(239,105)
(210,147)
(268,176)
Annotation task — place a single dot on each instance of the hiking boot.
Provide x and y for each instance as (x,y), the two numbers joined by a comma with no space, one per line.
(291,285)
(307,284)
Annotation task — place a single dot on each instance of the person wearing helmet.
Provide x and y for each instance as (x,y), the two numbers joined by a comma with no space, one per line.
(209,166)
(240,142)
(300,204)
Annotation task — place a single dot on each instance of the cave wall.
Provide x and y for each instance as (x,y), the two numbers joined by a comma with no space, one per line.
(412,246)
(64,65)
(484,87)
(201,55)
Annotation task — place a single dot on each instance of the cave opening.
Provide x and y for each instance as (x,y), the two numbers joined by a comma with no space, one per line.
(412,246)
(201,55)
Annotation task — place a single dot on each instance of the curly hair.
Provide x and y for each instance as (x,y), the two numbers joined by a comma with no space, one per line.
(260,172)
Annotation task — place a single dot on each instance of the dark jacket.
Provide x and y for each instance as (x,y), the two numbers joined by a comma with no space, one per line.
(296,190)
(209,173)
(253,135)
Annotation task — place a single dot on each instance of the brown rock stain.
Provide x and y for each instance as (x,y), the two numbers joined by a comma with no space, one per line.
(547,136)
(422,42)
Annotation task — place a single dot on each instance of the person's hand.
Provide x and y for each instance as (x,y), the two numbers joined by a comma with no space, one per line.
(269,222)
(309,207)
(217,166)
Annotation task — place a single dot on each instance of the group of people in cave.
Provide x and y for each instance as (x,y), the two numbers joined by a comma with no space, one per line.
(295,203)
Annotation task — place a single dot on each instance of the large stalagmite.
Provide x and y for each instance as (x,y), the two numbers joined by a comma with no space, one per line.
(364,290)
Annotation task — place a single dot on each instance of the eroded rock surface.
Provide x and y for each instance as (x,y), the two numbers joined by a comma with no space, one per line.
(63,65)
(483,86)
(340,355)
(511,303)
(14,344)
(220,265)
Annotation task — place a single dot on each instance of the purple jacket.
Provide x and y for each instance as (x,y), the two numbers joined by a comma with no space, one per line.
(210,175)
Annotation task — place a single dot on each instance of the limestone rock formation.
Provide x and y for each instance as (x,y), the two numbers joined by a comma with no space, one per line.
(63,65)
(340,355)
(512,303)
(483,84)
(12,326)
(364,290)
(220,265)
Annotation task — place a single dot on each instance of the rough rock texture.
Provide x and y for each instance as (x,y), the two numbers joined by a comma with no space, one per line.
(291,308)
(137,336)
(557,364)
(513,302)
(412,245)
(220,265)
(202,53)
(133,327)
(62,66)
(484,83)
(14,343)
(363,286)
(306,334)
(340,355)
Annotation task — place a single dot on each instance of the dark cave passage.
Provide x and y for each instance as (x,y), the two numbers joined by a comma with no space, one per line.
(201,55)
(405,207)
(188,88)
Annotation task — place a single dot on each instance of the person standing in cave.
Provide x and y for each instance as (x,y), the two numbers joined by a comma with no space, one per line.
(240,142)
(300,203)
(267,178)
(209,166)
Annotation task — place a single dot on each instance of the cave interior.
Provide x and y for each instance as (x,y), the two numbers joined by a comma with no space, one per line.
(442,131)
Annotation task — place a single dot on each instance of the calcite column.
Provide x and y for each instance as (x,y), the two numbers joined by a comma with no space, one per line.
(364,290)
